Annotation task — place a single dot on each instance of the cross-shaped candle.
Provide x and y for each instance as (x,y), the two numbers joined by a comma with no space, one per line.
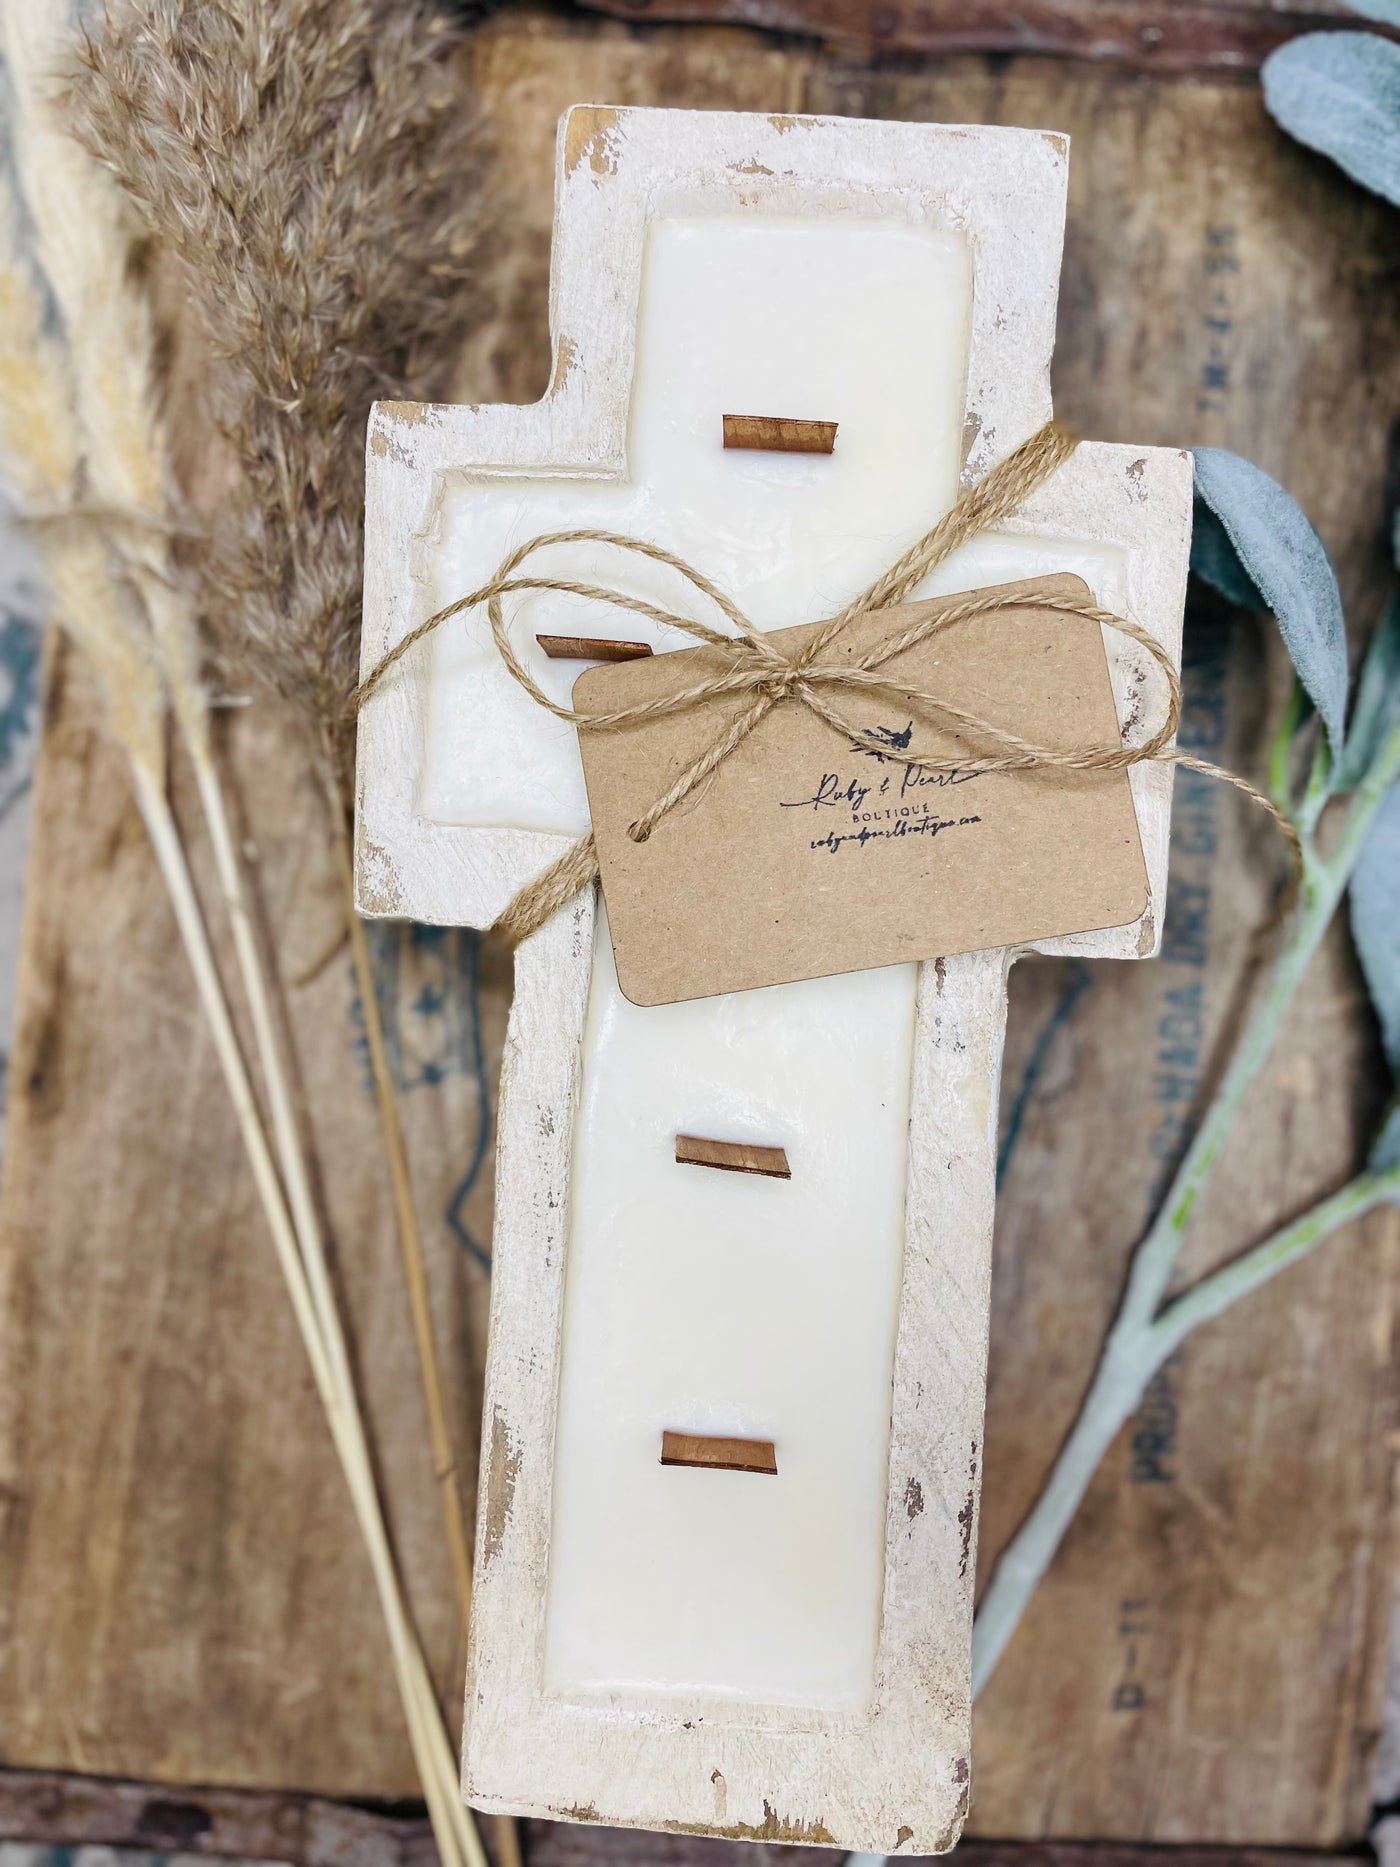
(740,1302)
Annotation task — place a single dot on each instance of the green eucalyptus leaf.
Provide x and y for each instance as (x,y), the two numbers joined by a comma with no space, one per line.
(1384,12)
(1376,714)
(1215,561)
(1339,92)
(1375,919)
(1263,542)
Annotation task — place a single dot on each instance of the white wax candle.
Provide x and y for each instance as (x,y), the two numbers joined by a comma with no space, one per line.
(723,1303)
(697,1300)
(865,324)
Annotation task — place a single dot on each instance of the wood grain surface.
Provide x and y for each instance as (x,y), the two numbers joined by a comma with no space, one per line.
(592,648)
(733,1156)
(726,1455)
(180,1564)
(1216,37)
(308,1831)
(780,434)
(182,1596)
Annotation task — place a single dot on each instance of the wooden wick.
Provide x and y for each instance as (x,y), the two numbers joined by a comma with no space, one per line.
(779,434)
(591,648)
(723,1455)
(733,1156)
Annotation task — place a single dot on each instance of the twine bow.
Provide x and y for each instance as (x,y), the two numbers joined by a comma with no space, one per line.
(769,676)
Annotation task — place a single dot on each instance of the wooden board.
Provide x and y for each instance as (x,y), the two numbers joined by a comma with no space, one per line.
(306,1831)
(1222,1601)
(1224,36)
(177,1566)
(180,1563)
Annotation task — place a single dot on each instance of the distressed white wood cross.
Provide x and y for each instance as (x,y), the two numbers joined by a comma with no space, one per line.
(786,1656)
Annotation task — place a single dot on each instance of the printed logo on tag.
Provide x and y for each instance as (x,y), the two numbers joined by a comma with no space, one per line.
(809,852)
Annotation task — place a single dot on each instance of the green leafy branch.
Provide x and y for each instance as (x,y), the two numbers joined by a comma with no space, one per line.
(1339,93)
(1254,544)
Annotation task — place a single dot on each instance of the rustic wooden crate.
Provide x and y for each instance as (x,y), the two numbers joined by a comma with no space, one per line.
(182,1594)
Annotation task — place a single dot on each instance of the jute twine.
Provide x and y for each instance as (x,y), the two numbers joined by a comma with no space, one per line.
(767,675)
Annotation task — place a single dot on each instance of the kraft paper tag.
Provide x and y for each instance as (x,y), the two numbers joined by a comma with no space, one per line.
(809,853)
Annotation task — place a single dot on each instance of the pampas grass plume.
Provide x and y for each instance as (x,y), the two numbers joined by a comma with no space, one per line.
(310,164)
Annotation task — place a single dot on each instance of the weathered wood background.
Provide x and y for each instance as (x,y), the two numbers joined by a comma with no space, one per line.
(1186,36)
(182,1595)
(307,1831)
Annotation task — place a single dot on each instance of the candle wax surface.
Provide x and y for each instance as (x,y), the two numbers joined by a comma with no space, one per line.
(861,323)
(729,1304)
(697,1300)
